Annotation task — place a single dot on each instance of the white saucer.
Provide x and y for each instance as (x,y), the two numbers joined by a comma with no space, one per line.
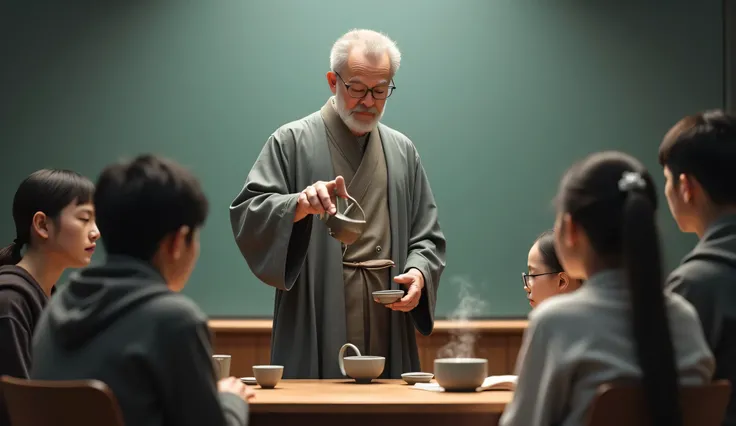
(249,380)
(412,378)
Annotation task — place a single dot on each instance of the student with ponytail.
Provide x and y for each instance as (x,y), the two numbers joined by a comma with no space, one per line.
(55,230)
(620,325)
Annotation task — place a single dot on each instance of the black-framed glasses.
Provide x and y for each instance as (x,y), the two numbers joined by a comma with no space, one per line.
(525,277)
(359,90)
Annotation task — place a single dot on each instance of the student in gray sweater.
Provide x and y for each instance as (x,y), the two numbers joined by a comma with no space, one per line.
(125,323)
(620,325)
(699,159)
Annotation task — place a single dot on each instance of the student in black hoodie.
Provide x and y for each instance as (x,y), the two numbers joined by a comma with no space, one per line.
(699,159)
(125,323)
(55,222)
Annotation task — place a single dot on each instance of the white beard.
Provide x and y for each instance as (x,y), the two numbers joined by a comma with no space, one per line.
(354,124)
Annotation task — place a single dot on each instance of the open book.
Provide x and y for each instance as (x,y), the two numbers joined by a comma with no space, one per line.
(507,383)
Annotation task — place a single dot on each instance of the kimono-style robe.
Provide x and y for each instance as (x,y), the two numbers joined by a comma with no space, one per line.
(322,295)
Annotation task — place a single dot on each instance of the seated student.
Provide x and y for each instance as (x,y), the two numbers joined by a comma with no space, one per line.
(699,159)
(620,325)
(125,323)
(545,276)
(55,221)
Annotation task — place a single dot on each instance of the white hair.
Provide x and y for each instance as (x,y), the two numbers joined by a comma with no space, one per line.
(374,43)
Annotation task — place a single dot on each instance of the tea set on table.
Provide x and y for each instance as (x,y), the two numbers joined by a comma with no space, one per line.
(265,376)
(452,374)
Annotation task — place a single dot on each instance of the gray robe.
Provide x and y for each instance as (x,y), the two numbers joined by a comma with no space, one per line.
(366,262)
(304,263)
(577,341)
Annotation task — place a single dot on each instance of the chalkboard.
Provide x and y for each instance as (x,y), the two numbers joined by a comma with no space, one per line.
(499,98)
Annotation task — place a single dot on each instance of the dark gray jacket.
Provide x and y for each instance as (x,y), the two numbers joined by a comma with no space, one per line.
(120,324)
(707,279)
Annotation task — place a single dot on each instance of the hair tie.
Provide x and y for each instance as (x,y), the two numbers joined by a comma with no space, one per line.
(17,248)
(630,181)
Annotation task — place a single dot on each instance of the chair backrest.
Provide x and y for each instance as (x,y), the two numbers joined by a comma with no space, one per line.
(624,404)
(60,403)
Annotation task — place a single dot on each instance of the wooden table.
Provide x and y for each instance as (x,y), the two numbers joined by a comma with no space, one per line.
(498,341)
(382,403)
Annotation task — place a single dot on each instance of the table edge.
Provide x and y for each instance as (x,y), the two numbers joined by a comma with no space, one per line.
(440,326)
(377,408)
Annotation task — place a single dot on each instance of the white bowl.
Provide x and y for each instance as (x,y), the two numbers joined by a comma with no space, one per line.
(460,374)
(268,376)
(362,368)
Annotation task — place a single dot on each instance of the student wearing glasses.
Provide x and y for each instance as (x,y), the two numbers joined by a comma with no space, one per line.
(546,277)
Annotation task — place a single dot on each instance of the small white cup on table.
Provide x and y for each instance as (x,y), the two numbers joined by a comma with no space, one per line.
(222,366)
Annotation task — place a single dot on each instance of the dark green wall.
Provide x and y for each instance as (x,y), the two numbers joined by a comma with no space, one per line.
(499,97)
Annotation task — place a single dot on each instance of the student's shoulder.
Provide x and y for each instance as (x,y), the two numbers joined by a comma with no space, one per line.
(701,275)
(14,278)
(11,295)
(563,310)
(13,303)
(684,316)
(14,292)
(174,310)
(678,306)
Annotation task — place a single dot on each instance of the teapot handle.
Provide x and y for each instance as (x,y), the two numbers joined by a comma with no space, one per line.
(342,354)
(354,203)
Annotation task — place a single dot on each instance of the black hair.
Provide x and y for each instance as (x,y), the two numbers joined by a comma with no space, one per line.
(139,202)
(704,146)
(48,191)
(546,244)
(612,197)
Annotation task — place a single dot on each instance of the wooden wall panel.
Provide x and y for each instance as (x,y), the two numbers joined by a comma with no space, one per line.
(513,346)
(249,343)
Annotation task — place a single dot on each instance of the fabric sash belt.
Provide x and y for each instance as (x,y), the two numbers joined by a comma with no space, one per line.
(371,265)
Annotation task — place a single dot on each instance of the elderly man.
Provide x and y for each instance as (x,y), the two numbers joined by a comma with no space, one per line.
(323,288)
